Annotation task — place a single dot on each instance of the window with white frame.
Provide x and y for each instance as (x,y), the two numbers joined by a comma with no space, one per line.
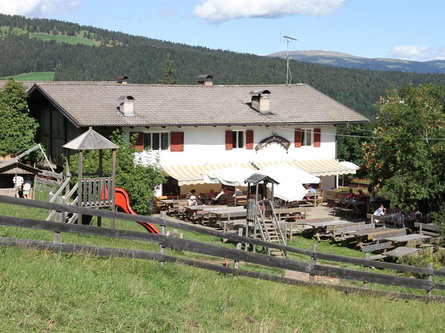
(156,141)
(238,139)
(306,136)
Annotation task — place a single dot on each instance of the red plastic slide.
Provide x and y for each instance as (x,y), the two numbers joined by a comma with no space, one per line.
(122,201)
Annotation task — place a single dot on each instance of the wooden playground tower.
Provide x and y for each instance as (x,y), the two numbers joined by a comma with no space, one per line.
(261,212)
(94,191)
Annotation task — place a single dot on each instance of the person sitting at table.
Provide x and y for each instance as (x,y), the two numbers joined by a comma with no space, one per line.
(360,196)
(310,189)
(221,196)
(415,214)
(200,199)
(380,211)
(191,192)
(398,217)
(192,201)
(350,195)
(237,192)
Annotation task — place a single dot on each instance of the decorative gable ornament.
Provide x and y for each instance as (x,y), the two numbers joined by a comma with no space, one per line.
(273,139)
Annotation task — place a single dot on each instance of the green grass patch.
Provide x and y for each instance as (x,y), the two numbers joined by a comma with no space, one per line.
(33,76)
(4,29)
(73,40)
(44,291)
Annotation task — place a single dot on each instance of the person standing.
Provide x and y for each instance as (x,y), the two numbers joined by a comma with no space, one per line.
(27,189)
(18,183)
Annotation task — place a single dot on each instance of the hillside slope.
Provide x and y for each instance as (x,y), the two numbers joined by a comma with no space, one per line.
(143,61)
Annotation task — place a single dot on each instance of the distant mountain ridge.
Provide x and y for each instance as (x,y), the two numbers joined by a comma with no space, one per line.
(66,49)
(376,64)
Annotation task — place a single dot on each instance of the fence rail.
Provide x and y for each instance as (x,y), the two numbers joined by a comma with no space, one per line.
(312,267)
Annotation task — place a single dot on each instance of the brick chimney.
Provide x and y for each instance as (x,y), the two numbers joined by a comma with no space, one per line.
(260,101)
(122,79)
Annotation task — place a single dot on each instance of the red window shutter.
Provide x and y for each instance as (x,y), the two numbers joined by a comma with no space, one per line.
(139,144)
(177,141)
(249,139)
(229,140)
(297,138)
(317,137)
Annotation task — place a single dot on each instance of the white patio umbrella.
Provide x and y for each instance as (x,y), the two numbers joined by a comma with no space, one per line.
(290,191)
(284,172)
(232,176)
(290,180)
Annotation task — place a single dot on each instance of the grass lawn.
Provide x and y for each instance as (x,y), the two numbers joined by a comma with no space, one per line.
(33,76)
(65,39)
(44,291)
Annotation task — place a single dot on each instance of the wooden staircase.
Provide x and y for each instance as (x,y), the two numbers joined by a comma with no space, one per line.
(267,227)
(63,199)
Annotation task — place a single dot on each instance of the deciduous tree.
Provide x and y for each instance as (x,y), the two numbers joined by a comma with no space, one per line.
(407,157)
(17,127)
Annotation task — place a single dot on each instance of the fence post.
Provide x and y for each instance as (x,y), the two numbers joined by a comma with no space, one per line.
(238,247)
(430,278)
(365,283)
(60,217)
(161,246)
(313,263)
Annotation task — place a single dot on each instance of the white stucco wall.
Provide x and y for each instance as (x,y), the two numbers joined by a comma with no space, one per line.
(207,145)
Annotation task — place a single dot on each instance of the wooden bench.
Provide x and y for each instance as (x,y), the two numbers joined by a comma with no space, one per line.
(333,198)
(376,247)
(342,232)
(428,229)
(347,211)
(410,240)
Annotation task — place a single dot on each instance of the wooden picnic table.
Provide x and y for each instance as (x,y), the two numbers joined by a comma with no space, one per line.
(291,212)
(320,227)
(350,206)
(378,233)
(174,206)
(196,212)
(216,215)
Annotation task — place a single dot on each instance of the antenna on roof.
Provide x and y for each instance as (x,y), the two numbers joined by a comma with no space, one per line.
(288,73)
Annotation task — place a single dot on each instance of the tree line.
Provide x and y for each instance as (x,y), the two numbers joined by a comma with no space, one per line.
(143,60)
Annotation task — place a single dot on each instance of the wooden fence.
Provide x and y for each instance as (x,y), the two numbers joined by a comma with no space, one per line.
(313,267)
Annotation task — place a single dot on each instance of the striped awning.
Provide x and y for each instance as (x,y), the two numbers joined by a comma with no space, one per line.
(192,174)
(325,167)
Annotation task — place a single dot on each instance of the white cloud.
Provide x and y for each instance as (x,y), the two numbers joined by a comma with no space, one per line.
(417,53)
(37,8)
(224,10)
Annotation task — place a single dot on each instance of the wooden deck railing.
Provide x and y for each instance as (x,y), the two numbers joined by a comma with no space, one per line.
(313,267)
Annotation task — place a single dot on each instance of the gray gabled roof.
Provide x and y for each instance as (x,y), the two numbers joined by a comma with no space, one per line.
(258,178)
(14,166)
(90,140)
(96,104)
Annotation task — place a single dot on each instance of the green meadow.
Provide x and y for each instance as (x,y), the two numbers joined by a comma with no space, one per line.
(33,76)
(73,40)
(55,292)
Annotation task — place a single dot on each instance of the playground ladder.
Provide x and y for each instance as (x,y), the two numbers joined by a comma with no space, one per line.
(268,227)
(64,199)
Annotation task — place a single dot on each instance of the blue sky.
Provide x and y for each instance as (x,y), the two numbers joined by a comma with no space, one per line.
(408,29)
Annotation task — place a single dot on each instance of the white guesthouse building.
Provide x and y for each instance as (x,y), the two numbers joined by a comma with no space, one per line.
(193,130)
